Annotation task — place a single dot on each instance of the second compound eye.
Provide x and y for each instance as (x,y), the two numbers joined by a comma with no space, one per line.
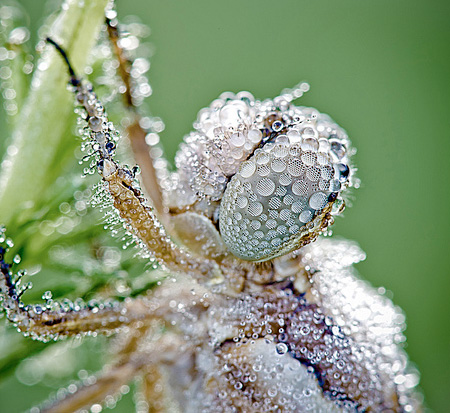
(275,202)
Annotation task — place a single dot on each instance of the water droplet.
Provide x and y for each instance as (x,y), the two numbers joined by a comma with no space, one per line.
(47,295)
(265,187)
(317,200)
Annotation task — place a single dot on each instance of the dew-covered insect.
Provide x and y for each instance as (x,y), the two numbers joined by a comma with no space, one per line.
(264,314)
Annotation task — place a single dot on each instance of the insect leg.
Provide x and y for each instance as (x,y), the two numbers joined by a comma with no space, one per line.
(126,195)
(161,350)
(54,320)
(107,384)
(136,133)
(151,396)
(153,389)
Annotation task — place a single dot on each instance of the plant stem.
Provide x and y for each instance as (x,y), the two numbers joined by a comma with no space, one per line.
(42,123)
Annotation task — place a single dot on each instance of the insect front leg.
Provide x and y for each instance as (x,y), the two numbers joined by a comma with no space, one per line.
(125,194)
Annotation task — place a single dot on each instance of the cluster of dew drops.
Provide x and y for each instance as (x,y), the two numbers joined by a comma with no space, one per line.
(132,45)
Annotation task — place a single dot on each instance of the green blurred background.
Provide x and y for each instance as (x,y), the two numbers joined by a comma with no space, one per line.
(381,69)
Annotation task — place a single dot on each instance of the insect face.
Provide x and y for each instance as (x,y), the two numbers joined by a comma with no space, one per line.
(271,170)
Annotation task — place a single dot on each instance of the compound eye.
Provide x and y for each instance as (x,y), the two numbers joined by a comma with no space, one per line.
(280,197)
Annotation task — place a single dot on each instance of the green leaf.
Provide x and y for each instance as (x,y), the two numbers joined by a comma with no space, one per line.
(27,169)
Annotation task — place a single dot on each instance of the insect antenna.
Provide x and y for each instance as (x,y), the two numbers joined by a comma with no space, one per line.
(151,173)
(74,80)
(124,63)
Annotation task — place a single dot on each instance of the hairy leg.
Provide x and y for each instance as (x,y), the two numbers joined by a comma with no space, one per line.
(53,320)
(127,198)
(162,350)
(151,383)
(136,133)
(107,384)
(152,388)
